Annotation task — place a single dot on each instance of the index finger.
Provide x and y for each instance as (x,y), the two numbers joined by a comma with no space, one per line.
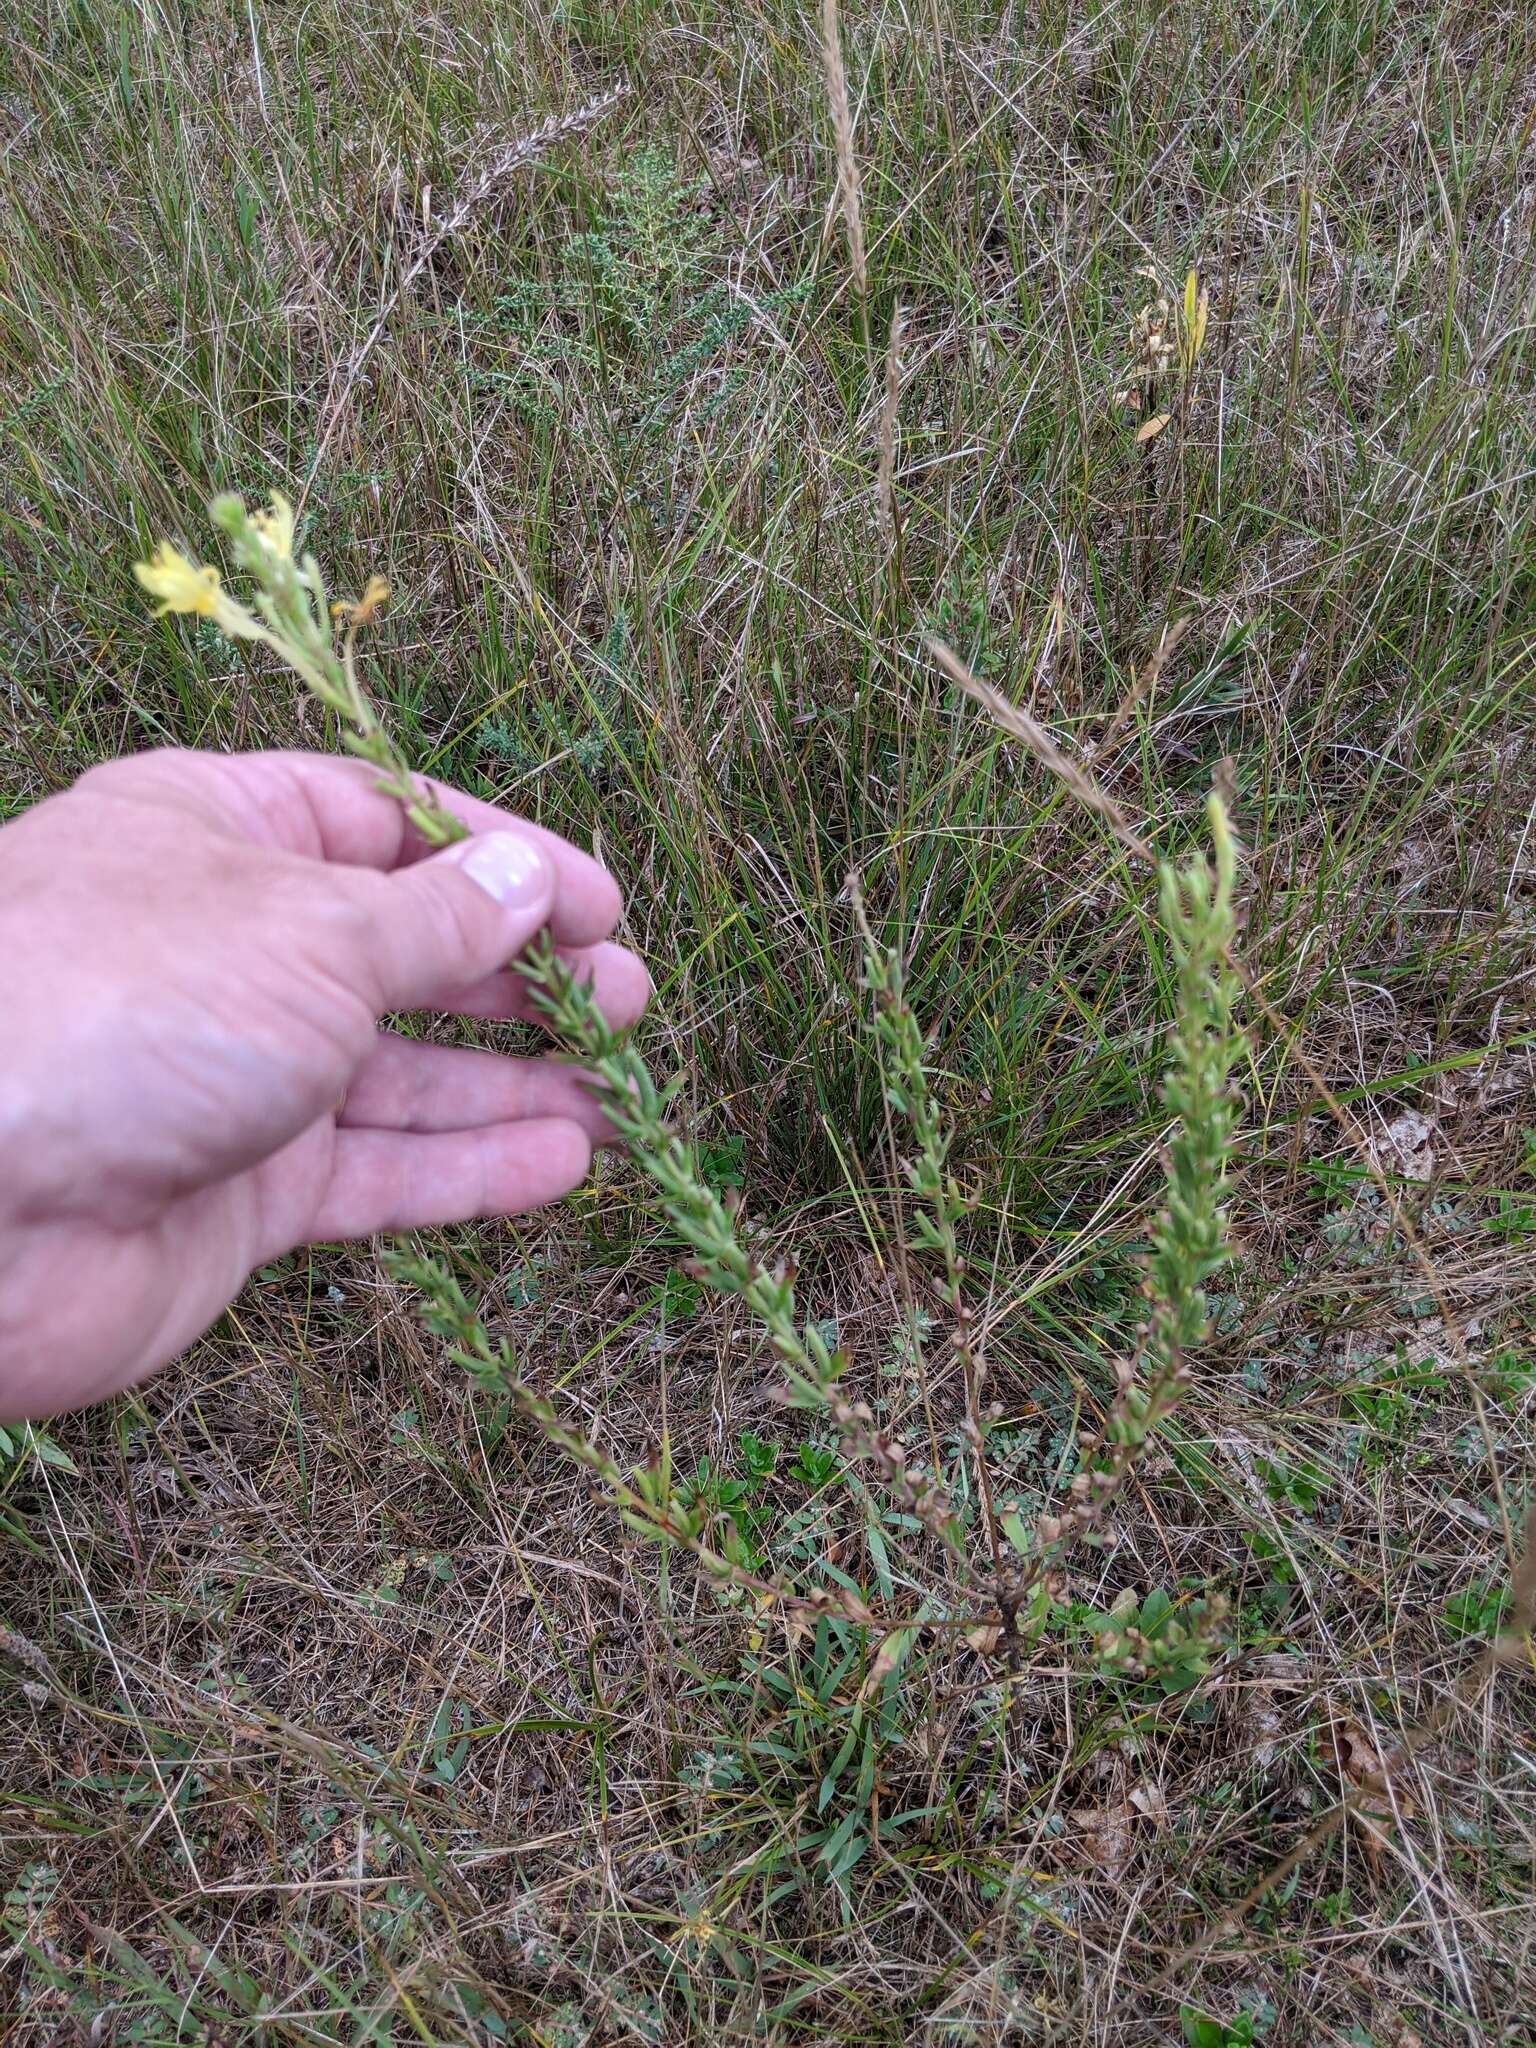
(334,809)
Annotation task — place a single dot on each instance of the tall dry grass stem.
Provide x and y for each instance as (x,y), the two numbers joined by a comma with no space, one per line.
(849,190)
(516,156)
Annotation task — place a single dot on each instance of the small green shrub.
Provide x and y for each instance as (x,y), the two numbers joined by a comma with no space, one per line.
(957,1544)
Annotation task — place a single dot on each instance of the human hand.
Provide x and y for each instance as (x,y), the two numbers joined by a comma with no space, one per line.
(197,951)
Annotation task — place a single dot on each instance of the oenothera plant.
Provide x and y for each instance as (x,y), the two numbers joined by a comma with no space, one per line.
(290,614)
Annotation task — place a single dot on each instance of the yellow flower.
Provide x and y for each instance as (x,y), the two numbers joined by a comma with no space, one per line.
(367,607)
(276,526)
(182,586)
(185,586)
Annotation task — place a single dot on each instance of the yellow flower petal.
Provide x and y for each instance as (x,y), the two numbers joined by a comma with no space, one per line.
(363,612)
(182,586)
(276,526)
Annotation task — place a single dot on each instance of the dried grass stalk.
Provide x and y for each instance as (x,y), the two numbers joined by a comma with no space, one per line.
(848,188)
(885,468)
(1046,750)
(527,149)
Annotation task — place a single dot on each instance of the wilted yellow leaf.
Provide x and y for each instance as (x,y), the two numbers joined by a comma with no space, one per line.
(890,1656)
(1155,425)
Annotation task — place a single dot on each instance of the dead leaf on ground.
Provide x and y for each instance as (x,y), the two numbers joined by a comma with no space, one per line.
(1406,1146)
(1364,1766)
(1396,2033)
(1259,1706)
(1107,1840)
(1151,1802)
(1155,425)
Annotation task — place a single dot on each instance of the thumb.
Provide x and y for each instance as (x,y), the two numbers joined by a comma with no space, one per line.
(449,921)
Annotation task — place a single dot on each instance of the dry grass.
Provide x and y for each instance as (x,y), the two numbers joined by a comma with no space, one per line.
(335,1710)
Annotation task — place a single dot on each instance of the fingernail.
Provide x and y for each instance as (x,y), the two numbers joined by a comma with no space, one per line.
(506,866)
